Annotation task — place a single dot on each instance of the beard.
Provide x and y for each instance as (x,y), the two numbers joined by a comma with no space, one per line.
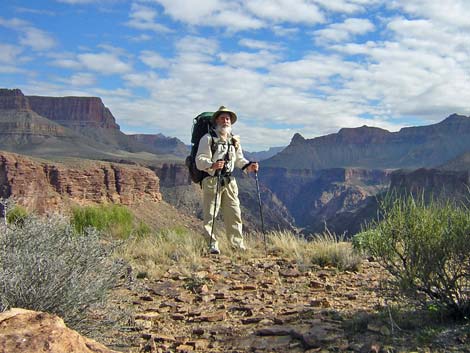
(224,129)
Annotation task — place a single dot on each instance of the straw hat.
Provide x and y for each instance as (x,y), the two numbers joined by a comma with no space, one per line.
(222,109)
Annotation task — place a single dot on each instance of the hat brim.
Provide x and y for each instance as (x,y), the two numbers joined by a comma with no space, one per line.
(233,116)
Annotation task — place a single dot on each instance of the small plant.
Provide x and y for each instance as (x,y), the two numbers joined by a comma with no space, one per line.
(334,251)
(45,265)
(323,249)
(115,220)
(16,215)
(425,246)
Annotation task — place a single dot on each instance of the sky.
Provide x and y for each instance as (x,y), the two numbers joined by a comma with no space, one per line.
(284,66)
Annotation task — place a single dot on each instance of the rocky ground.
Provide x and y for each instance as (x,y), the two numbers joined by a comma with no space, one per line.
(268,304)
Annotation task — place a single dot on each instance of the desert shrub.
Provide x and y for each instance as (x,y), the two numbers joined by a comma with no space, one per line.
(116,220)
(425,246)
(46,266)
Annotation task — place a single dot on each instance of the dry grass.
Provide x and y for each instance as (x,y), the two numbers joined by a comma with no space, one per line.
(152,255)
(323,249)
(185,250)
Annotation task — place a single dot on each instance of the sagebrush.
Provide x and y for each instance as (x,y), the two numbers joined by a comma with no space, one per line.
(425,246)
(46,265)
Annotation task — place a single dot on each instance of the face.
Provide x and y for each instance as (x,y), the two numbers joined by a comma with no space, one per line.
(224,120)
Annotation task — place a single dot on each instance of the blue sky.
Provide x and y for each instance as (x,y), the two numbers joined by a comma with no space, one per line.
(285,66)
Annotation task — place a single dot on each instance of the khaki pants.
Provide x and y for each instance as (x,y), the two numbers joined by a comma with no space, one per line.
(228,202)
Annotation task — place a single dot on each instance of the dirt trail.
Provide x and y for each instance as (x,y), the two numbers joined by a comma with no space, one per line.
(254,305)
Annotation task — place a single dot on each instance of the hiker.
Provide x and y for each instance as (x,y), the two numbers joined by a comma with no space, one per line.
(219,165)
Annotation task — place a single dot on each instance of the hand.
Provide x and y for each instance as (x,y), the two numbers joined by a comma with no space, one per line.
(253,167)
(218,165)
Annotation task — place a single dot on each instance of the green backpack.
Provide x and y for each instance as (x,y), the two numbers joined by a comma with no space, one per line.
(202,125)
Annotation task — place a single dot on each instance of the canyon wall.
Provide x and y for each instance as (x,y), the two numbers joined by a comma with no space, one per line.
(43,186)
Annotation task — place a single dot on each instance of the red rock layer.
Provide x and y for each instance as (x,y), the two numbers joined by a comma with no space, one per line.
(45,186)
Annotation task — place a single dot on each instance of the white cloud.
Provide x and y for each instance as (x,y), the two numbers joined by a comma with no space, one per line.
(242,15)
(9,53)
(283,31)
(236,20)
(261,59)
(293,11)
(153,59)
(143,18)
(140,38)
(186,11)
(346,6)
(103,63)
(36,39)
(197,49)
(82,79)
(338,32)
(30,36)
(447,12)
(259,44)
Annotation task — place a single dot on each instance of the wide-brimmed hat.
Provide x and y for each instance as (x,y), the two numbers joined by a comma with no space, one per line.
(222,109)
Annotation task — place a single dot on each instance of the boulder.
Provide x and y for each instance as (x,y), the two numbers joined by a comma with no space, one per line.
(26,331)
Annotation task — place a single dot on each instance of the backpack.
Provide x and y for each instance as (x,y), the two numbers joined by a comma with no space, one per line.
(202,125)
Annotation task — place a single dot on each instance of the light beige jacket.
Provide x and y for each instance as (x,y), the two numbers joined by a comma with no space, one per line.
(205,158)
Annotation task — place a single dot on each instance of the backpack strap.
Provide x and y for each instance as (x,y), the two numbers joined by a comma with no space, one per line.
(213,145)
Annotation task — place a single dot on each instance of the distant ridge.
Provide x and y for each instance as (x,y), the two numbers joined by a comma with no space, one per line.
(31,125)
(371,147)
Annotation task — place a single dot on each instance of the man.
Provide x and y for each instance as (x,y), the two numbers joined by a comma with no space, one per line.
(218,156)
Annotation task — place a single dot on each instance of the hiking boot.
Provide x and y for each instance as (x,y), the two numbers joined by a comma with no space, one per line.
(214,249)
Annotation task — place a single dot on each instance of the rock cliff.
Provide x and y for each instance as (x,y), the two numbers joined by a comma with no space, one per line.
(74,112)
(374,148)
(317,198)
(436,183)
(13,99)
(43,186)
(93,127)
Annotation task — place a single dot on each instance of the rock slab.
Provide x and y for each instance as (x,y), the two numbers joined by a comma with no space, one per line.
(26,331)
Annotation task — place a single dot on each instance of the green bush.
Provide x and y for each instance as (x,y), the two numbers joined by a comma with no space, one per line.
(17,214)
(45,265)
(425,246)
(113,219)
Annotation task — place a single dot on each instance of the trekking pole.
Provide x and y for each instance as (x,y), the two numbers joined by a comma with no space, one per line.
(217,173)
(261,212)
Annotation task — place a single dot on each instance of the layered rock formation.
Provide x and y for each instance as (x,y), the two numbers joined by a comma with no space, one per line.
(161,144)
(74,112)
(317,198)
(435,183)
(333,179)
(459,163)
(374,148)
(13,99)
(87,129)
(43,186)
(29,331)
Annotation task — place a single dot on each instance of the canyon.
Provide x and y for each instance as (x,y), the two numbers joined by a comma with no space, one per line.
(326,183)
